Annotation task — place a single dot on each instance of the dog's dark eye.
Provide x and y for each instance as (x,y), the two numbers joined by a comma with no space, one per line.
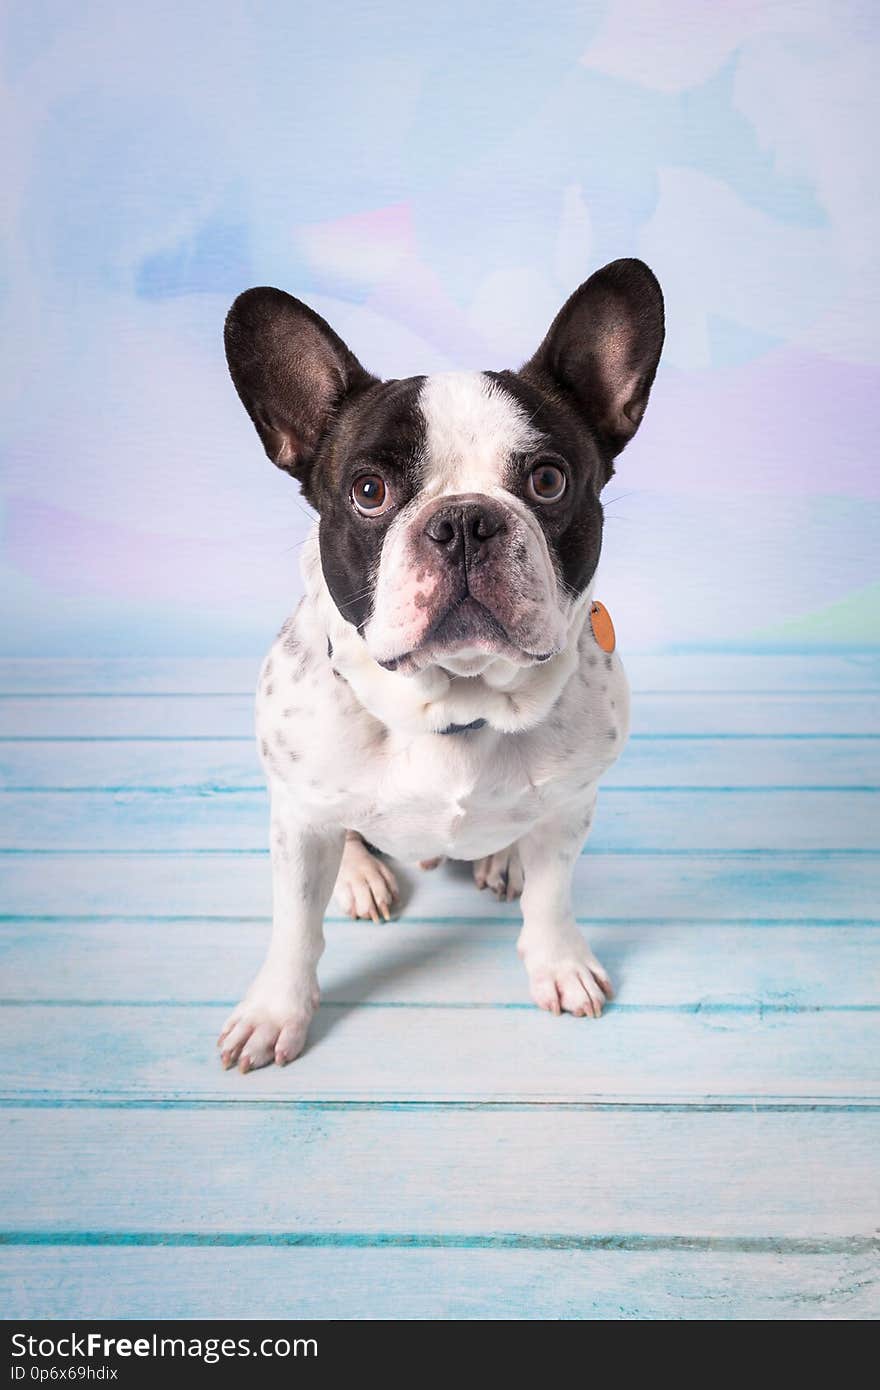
(546,483)
(369,494)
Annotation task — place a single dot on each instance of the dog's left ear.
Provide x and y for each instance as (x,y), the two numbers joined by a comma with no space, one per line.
(292,373)
(602,350)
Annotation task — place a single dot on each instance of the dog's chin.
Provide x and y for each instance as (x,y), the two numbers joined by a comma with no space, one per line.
(466,641)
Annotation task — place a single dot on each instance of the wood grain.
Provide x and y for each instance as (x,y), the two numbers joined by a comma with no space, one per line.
(772,1283)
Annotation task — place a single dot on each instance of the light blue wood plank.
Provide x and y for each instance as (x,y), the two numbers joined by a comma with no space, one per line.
(752,762)
(448,1053)
(722,671)
(653,820)
(126,716)
(735,715)
(791,1175)
(195,766)
(723,967)
(232,716)
(709,671)
(618,888)
(437,1284)
(208,765)
(136,675)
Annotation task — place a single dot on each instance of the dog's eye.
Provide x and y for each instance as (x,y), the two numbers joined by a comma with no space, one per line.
(546,483)
(369,494)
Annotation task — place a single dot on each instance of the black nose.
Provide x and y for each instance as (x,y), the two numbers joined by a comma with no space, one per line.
(465,525)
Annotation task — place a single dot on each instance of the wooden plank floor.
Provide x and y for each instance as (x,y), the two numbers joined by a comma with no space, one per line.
(709,1149)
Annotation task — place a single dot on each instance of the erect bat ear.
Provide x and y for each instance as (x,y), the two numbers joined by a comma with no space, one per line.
(291,371)
(602,350)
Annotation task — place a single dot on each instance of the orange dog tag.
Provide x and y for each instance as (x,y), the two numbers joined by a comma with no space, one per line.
(603,627)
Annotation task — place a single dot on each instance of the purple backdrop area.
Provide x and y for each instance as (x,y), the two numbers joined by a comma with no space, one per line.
(435,182)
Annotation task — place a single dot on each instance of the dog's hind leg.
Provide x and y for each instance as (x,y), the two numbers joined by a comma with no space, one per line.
(365,885)
(501,873)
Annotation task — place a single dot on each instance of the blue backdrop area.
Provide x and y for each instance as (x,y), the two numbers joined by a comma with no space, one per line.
(435,180)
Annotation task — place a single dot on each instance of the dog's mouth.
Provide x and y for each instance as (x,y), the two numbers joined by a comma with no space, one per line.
(465,639)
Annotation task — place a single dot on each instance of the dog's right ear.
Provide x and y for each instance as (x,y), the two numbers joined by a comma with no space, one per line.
(291,371)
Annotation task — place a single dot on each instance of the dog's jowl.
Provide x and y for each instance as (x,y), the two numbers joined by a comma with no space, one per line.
(447,686)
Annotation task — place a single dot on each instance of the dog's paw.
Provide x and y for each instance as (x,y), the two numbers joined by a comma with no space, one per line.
(365,885)
(267,1027)
(565,976)
(501,873)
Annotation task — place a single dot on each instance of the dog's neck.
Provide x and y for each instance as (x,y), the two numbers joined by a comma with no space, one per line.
(508,698)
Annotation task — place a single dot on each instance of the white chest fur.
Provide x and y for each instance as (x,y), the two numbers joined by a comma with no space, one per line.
(417,795)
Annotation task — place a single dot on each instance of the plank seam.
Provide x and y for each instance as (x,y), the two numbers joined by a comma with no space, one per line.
(205,790)
(17,1101)
(640,852)
(142,919)
(757,1009)
(449,1240)
(249,739)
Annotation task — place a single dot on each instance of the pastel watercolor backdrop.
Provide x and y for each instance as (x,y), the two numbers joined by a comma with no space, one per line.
(435,180)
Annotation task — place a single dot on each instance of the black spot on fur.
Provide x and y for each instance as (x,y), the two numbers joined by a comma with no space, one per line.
(572,526)
(608,663)
(612,734)
(329,650)
(267,689)
(379,432)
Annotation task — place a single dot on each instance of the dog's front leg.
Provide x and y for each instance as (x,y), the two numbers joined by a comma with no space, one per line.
(271,1022)
(564,975)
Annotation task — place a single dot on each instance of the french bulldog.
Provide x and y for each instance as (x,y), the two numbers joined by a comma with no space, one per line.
(441,690)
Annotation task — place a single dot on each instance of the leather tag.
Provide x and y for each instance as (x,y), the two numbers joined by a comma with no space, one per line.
(603,627)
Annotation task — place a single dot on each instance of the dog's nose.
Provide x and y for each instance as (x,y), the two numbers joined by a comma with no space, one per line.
(466,525)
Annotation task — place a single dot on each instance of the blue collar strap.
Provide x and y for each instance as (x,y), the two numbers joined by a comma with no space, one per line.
(463,728)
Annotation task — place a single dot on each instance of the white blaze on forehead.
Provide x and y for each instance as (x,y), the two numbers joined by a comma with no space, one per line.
(472,426)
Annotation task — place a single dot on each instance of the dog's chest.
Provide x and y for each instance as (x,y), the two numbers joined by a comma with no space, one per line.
(417,796)
(460,794)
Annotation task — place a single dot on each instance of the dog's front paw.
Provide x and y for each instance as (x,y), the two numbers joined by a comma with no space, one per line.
(267,1026)
(365,885)
(565,976)
(501,873)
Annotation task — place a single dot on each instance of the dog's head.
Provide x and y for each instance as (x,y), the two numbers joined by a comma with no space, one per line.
(460,517)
